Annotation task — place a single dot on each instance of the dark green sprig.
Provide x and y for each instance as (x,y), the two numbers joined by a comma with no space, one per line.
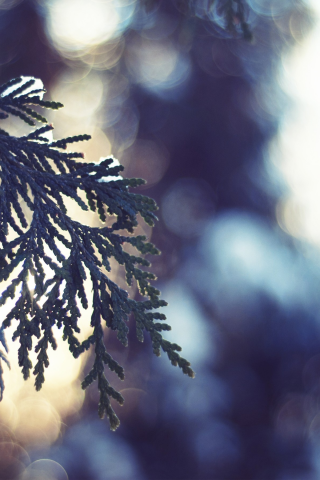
(16,102)
(41,242)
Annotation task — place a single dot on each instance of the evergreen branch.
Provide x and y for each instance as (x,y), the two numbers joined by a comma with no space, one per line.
(15,102)
(61,254)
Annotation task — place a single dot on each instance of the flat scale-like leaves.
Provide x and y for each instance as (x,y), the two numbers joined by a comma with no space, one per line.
(36,176)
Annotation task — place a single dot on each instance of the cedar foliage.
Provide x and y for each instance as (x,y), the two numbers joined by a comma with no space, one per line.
(37,175)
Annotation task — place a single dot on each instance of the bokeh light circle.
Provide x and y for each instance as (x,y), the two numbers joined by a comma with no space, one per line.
(44,470)
(75,25)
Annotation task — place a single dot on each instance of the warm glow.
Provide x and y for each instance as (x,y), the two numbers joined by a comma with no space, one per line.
(39,422)
(81,93)
(60,395)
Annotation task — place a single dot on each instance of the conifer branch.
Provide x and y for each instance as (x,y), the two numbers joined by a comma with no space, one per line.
(60,253)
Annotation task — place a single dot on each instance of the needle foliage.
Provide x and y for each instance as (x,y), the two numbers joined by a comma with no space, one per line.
(41,242)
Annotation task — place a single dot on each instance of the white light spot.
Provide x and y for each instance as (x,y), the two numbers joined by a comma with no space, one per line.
(78,24)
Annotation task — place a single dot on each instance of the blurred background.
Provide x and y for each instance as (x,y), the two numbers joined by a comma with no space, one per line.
(225,128)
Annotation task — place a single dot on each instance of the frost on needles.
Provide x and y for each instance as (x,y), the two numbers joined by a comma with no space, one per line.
(37,175)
